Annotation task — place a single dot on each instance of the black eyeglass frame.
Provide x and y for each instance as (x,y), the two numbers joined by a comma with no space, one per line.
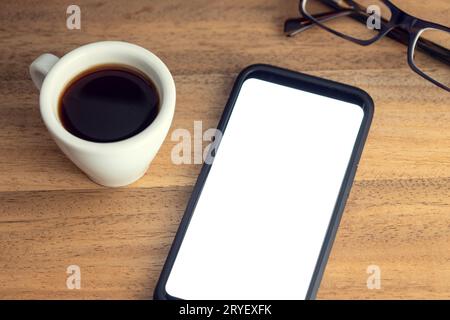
(401,26)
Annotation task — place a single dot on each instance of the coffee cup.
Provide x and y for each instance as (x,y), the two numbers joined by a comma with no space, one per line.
(111,164)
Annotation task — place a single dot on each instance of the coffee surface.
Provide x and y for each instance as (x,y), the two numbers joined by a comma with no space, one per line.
(108,103)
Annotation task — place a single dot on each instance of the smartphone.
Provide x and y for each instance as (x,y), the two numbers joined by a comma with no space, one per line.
(263,215)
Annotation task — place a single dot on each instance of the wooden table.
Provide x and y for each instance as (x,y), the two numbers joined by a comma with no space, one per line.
(53,216)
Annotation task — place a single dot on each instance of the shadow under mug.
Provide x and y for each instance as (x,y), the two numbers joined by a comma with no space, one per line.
(111,164)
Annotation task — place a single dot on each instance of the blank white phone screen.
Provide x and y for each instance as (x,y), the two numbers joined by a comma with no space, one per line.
(262,216)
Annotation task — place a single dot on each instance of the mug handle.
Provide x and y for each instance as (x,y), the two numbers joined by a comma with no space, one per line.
(40,67)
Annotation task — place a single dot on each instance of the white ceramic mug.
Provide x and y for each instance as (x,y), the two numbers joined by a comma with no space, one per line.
(110,164)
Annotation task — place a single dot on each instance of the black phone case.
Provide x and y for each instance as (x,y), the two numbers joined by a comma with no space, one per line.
(306,83)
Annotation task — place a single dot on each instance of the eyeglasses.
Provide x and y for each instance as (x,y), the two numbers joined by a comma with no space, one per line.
(370,20)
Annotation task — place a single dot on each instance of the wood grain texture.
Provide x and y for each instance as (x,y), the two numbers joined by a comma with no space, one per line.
(52,215)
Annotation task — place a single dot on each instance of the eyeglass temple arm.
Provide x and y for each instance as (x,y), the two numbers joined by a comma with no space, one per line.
(435,50)
(296,25)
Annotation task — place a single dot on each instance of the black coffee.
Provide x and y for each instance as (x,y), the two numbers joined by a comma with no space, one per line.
(108,103)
